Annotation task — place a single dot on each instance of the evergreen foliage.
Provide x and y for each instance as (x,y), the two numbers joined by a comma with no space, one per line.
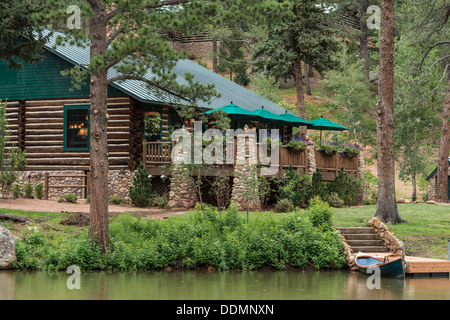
(141,193)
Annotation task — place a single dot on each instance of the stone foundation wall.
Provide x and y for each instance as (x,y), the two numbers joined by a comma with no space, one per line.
(394,245)
(36,177)
(119,183)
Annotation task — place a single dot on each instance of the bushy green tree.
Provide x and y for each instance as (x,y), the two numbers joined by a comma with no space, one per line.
(141,193)
(12,159)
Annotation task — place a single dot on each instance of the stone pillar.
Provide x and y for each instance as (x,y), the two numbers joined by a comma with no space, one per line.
(311,158)
(361,169)
(245,193)
(183,192)
(432,188)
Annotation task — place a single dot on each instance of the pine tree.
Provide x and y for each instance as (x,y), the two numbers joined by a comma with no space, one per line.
(141,191)
(20,37)
(127,36)
(297,35)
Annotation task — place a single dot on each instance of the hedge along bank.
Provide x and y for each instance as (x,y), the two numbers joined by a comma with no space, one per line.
(301,239)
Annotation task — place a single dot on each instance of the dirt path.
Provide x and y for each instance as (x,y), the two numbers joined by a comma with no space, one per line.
(54,206)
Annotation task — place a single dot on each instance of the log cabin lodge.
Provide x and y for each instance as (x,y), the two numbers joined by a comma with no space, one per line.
(51,122)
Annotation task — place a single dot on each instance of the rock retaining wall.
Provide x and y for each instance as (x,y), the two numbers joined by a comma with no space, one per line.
(388,237)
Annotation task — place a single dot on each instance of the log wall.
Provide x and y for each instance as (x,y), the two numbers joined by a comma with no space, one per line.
(38,125)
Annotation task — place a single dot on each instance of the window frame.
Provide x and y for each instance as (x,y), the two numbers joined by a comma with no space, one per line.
(76,107)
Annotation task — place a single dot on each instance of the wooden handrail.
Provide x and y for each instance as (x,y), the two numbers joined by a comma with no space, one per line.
(47,185)
(159,152)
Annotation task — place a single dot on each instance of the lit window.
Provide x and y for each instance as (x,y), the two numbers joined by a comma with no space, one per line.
(76,127)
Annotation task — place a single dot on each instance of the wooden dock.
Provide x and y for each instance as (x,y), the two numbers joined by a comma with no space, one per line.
(417,266)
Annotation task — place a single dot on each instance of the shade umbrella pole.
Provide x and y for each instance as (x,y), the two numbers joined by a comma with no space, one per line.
(320,146)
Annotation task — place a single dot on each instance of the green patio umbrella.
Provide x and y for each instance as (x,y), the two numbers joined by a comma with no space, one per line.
(324,124)
(295,121)
(269,117)
(233,110)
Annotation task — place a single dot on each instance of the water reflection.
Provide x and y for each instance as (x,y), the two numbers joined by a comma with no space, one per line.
(230,285)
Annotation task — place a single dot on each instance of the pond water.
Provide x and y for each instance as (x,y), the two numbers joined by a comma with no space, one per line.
(224,285)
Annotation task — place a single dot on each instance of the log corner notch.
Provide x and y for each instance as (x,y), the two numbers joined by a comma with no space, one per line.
(21,124)
(136,133)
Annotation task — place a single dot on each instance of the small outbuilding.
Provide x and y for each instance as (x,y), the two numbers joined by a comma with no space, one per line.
(432,184)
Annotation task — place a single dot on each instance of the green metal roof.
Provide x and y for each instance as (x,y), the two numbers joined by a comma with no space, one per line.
(434,171)
(228,90)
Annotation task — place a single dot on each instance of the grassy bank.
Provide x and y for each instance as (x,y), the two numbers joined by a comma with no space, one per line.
(426,234)
(302,239)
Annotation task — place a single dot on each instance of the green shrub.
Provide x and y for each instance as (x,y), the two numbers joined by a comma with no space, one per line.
(70,197)
(320,214)
(161,202)
(318,187)
(295,186)
(39,191)
(141,191)
(335,201)
(242,78)
(115,200)
(284,205)
(60,200)
(226,241)
(88,199)
(28,191)
(16,191)
(369,202)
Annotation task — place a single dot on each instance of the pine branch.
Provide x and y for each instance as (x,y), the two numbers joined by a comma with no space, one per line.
(149,82)
(429,50)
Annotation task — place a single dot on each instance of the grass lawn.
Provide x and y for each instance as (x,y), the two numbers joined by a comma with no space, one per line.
(426,234)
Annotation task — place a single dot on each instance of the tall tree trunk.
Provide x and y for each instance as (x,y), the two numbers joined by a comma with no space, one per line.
(387,210)
(414,183)
(442,172)
(363,36)
(308,82)
(99,225)
(300,93)
(214,60)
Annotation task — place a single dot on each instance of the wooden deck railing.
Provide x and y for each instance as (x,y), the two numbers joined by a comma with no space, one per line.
(159,153)
(330,165)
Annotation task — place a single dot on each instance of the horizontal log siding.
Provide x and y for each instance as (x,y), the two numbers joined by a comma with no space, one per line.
(44,132)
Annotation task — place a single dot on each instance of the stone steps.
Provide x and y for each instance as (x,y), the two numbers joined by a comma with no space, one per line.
(363,239)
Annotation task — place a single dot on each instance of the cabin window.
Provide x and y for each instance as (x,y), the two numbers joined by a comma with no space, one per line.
(76,128)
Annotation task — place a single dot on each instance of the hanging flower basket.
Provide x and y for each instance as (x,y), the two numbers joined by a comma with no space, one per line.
(329,148)
(152,120)
(351,150)
(298,144)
